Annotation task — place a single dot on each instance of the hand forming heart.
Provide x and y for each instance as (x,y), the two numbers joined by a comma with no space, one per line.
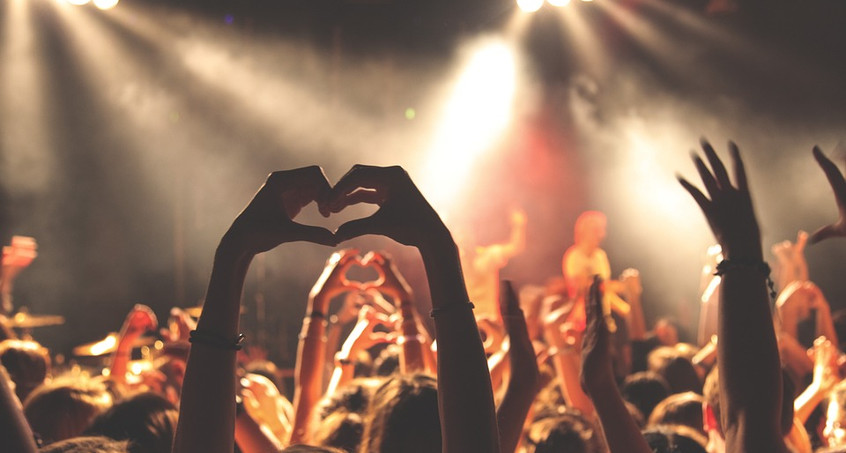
(403,215)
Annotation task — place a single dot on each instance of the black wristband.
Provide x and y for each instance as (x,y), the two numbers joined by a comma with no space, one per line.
(439,311)
(215,340)
(760,266)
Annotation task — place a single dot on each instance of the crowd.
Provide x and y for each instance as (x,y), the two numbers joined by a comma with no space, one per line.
(566,367)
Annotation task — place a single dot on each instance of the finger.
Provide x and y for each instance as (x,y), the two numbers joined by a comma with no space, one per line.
(358,227)
(826,232)
(595,314)
(707,178)
(739,168)
(368,196)
(508,302)
(832,173)
(314,234)
(719,169)
(700,198)
(359,176)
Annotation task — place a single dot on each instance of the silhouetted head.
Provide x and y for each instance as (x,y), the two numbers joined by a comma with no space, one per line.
(645,390)
(146,420)
(680,409)
(27,362)
(86,445)
(403,417)
(66,407)
(568,432)
(675,439)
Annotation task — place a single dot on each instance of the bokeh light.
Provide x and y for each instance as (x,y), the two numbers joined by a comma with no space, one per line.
(530,6)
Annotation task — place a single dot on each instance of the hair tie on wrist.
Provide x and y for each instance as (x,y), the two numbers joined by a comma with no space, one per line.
(316,314)
(760,266)
(439,311)
(216,340)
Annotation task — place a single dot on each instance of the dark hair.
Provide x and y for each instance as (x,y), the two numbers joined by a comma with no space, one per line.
(65,408)
(86,445)
(342,430)
(645,390)
(677,370)
(403,416)
(310,449)
(675,439)
(353,397)
(27,362)
(146,420)
(679,409)
(387,363)
(569,431)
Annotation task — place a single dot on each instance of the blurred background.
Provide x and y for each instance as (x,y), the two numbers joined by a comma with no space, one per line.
(132,133)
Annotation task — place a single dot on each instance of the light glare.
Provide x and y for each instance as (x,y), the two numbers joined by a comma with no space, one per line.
(530,6)
(559,3)
(105,4)
(78,2)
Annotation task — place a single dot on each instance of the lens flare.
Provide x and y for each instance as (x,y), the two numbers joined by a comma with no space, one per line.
(105,4)
(530,6)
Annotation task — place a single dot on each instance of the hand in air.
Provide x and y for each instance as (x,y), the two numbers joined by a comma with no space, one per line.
(404,215)
(267,221)
(729,209)
(596,353)
(838,186)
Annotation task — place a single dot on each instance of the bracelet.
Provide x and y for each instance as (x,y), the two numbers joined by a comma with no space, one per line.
(342,362)
(216,340)
(439,311)
(760,266)
(315,314)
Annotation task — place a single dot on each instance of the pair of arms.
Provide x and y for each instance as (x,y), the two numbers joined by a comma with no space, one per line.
(207,410)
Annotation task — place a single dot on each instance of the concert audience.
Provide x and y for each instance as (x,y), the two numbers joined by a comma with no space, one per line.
(576,373)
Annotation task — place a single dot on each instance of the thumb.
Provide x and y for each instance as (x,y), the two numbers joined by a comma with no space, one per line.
(823,233)
(309,233)
(356,228)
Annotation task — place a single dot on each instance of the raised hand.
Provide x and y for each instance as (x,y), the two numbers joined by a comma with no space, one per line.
(333,281)
(140,320)
(838,186)
(729,210)
(596,354)
(404,215)
(267,221)
(391,281)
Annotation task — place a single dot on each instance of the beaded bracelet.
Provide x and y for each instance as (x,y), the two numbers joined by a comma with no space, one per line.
(760,266)
(216,340)
(439,311)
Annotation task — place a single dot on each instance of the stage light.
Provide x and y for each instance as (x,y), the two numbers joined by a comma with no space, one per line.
(105,4)
(530,6)
(559,3)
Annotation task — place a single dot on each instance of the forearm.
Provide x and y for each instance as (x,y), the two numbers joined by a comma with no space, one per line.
(308,384)
(15,433)
(566,363)
(621,432)
(522,385)
(750,375)
(207,409)
(251,438)
(412,341)
(468,421)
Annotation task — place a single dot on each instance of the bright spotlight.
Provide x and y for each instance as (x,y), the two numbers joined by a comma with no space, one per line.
(78,2)
(105,4)
(559,3)
(530,6)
